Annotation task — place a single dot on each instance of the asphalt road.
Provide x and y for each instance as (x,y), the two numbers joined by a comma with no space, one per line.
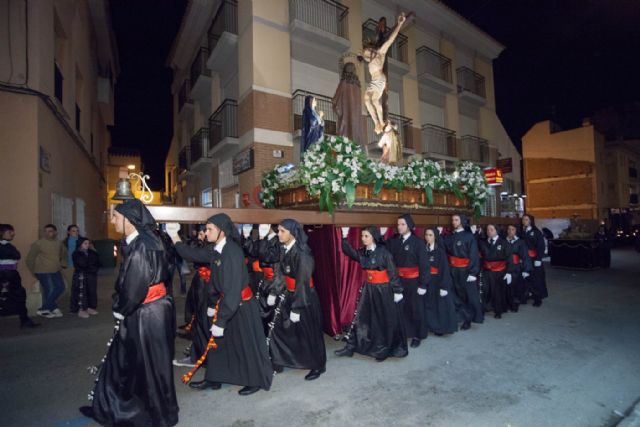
(575,361)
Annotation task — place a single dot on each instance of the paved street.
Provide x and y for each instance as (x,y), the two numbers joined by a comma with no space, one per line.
(575,361)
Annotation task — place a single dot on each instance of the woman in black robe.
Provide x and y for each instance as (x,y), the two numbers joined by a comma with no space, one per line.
(536,283)
(410,260)
(521,268)
(497,269)
(135,381)
(440,307)
(296,339)
(377,329)
(84,287)
(241,356)
(268,252)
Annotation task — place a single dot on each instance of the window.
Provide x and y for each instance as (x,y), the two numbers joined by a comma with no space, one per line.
(206,200)
(226,178)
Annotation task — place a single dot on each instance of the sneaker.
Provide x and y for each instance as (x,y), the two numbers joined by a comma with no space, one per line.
(56,313)
(83,314)
(185,361)
(45,313)
(92,312)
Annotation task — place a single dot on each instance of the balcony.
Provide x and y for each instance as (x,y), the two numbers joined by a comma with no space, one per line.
(405,135)
(200,75)
(185,103)
(223,127)
(438,143)
(434,70)
(319,31)
(223,38)
(200,149)
(105,99)
(183,160)
(398,53)
(471,86)
(324,104)
(474,149)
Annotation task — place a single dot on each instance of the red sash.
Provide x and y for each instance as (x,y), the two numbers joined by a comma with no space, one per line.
(409,272)
(532,253)
(455,261)
(377,277)
(247,294)
(155,292)
(268,273)
(495,266)
(204,273)
(434,270)
(516,258)
(291,283)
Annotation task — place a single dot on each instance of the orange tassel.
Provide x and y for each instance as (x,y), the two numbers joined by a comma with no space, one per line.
(210,345)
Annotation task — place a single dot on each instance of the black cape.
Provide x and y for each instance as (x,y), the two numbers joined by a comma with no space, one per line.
(135,384)
(378,328)
(496,288)
(537,282)
(13,297)
(440,310)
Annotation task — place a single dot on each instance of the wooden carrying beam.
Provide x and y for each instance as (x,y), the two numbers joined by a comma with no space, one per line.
(188,215)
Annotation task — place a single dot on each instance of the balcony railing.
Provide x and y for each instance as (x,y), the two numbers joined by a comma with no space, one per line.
(183,95)
(438,140)
(323,104)
(183,160)
(474,148)
(199,65)
(428,61)
(223,123)
(200,145)
(399,49)
(327,15)
(226,20)
(470,81)
(404,130)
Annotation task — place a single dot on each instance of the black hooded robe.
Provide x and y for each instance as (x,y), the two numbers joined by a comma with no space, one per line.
(536,283)
(196,305)
(241,357)
(463,244)
(297,345)
(84,285)
(494,274)
(135,383)
(13,297)
(521,264)
(378,329)
(440,310)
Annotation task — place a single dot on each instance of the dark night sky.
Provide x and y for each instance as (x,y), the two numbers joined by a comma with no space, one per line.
(564,59)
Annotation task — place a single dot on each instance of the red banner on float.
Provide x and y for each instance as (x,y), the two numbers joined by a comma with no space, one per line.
(493,176)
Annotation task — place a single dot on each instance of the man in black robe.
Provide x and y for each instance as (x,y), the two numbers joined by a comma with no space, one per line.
(241,355)
(135,381)
(497,269)
(536,284)
(521,268)
(462,250)
(410,258)
(296,339)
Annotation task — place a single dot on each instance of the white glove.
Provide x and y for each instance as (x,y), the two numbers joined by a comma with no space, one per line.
(118,315)
(246,230)
(473,228)
(263,230)
(397,297)
(421,291)
(271,300)
(383,231)
(345,232)
(217,331)
(440,229)
(294,317)
(471,278)
(172,229)
(537,263)
(508,278)
(525,274)
(271,235)
(443,293)
(211,311)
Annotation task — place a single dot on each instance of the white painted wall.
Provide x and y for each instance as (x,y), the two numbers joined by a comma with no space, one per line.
(313,79)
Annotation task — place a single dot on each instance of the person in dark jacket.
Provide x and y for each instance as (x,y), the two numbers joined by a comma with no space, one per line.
(13,297)
(497,268)
(377,329)
(521,268)
(84,288)
(537,282)
(440,307)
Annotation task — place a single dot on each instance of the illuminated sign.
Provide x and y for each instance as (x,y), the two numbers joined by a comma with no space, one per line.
(493,176)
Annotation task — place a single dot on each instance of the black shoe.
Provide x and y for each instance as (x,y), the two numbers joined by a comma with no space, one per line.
(537,303)
(497,316)
(87,411)
(344,352)
(415,342)
(380,359)
(466,325)
(204,384)
(439,334)
(314,374)
(278,369)
(514,309)
(246,391)
(29,324)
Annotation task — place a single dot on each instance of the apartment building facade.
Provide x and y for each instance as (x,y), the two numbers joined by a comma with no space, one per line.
(242,70)
(58,66)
